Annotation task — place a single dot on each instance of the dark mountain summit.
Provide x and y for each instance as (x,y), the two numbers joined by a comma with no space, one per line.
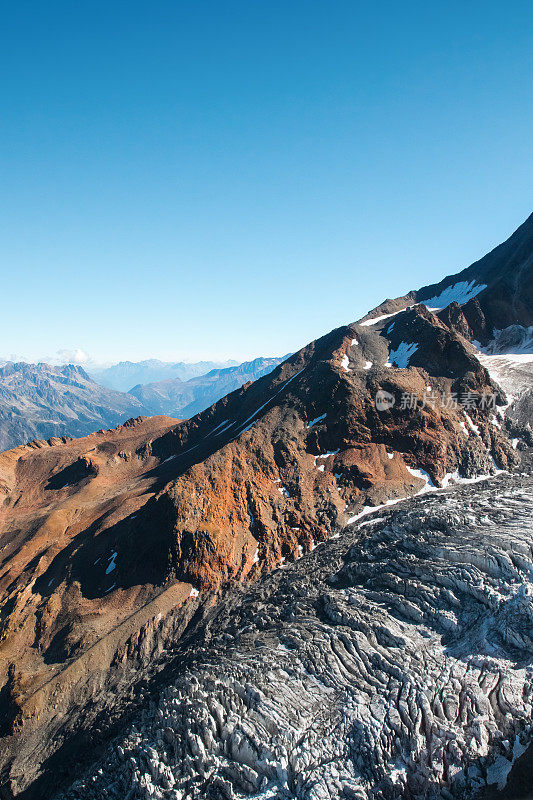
(494,293)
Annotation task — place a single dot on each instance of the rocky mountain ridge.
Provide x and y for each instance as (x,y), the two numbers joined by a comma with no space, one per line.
(494,293)
(159,518)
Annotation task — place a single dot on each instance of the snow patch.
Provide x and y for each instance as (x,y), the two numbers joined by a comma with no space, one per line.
(224,422)
(420,473)
(460,293)
(369,509)
(317,419)
(402,354)
(252,416)
(398,774)
(257,412)
(250,516)
(225,428)
(111,566)
(324,455)
(375,320)
(471,425)
(372,521)
(345,363)
(457,478)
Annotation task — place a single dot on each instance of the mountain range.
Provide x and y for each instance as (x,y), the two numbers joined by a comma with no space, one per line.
(228,606)
(187,398)
(126,374)
(40,401)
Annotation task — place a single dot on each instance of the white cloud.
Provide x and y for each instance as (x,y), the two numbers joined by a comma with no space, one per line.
(77,356)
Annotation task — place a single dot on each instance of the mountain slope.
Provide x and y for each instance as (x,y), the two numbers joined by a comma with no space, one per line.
(490,304)
(156,530)
(38,401)
(187,398)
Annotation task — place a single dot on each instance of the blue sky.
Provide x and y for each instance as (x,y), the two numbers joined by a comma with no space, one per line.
(232,179)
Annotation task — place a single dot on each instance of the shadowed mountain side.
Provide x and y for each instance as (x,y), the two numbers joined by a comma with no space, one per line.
(494,292)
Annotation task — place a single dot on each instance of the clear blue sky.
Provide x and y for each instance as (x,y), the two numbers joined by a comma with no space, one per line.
(229,179)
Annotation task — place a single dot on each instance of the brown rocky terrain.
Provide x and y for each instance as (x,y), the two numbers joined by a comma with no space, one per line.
(111,543)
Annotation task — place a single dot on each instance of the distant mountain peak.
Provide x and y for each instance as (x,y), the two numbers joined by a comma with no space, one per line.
(38,401)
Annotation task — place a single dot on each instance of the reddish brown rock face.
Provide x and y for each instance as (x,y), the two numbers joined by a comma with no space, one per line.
(103,535)
(260,477)
(57,496)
